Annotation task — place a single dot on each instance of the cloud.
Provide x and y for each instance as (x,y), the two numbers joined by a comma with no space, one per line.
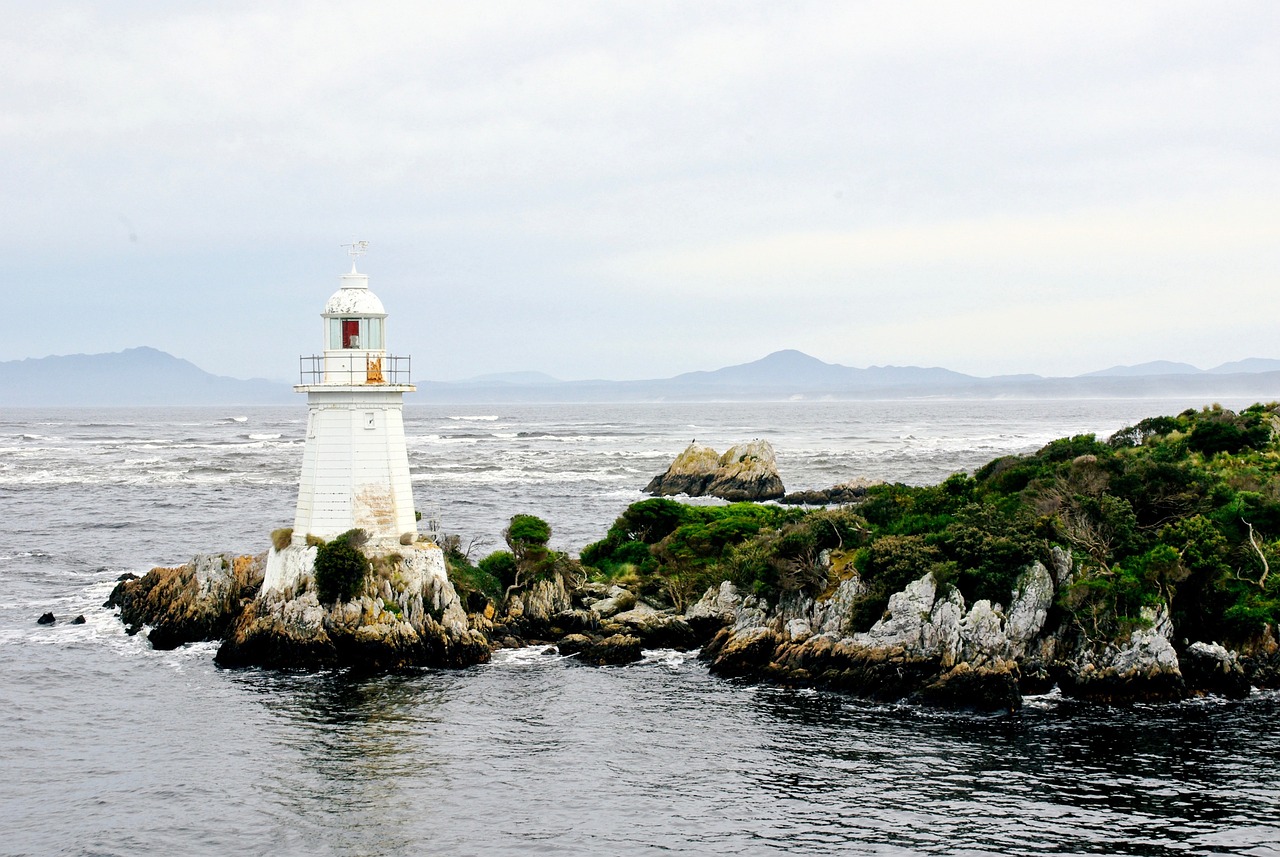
(622,166)
(1115,240)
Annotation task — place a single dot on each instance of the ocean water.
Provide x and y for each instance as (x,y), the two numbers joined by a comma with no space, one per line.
(108,747)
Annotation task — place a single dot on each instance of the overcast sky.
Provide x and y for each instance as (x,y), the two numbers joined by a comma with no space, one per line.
(632,190)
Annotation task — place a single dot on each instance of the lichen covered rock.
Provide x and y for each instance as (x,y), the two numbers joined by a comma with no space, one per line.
(189,603)
(690,473)
(747,471)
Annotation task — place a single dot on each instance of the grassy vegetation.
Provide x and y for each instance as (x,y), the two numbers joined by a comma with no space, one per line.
(281,538)
(1182,509)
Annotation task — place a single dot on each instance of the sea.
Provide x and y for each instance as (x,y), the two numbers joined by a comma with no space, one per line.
(110,748)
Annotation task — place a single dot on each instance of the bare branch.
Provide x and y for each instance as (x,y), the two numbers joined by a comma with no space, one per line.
(1266,567)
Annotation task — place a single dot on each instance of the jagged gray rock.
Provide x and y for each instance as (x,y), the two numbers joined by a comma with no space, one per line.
(1144,667)
(617,600)
(717,607)
(1211,668)
(926,646)
(409,614)
(837,495)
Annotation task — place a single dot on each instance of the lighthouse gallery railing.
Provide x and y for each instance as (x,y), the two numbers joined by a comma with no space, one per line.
(360,370)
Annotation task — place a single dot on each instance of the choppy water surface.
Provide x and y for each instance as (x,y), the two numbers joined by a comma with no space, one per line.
(110,748)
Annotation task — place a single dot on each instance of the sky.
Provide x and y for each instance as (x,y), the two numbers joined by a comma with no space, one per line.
(637,189)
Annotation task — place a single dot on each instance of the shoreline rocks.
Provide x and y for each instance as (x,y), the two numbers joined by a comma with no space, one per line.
(928,648)
(747,471)
(837,495)
(190,603)
(407,615)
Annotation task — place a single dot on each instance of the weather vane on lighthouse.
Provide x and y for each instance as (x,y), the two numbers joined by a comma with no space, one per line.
(355,250)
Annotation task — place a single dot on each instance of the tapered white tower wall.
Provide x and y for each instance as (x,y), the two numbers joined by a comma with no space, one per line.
(355,468)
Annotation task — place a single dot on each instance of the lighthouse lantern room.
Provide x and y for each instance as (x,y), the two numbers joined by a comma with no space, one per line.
(355,467)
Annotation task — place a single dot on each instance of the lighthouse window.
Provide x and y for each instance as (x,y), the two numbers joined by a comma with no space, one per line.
(373,337)
(351,333)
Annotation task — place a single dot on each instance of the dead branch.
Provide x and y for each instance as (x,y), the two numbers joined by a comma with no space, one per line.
(1266,567)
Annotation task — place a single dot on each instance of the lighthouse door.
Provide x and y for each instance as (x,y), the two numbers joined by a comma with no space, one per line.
(351,333)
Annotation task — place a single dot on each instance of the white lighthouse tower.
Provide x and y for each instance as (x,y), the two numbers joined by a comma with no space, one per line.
(355,469)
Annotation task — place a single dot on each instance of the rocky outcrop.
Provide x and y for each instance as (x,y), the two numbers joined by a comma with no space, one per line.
(189,603)
(927,647)
(616,600)
(542,611)
(408,615)
(656,629)
(266,612)
(748,471)
(930,648)
(603,622)
(1212,668)
(1260,658)
(717,608)
(837,495)
(1142,668)
(690,473)
(615,649)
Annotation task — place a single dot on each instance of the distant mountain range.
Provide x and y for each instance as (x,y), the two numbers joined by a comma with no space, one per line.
(145,376)
(136,376)
(1165,367)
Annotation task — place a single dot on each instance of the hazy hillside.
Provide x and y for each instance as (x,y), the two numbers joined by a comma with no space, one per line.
(145,376)
(798,371)
(136,376)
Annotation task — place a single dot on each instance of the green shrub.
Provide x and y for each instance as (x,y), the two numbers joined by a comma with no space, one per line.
(341,568)
(527,536)
(474,585)
(501,566)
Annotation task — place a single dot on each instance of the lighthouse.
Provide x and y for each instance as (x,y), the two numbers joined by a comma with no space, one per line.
(355,468)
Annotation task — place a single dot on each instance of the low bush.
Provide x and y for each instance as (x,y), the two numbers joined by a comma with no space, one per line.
(341,567)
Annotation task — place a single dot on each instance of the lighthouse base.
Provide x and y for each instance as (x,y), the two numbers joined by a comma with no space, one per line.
(355,466)
(407,613)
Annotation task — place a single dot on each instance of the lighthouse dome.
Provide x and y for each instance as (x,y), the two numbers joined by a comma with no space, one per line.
(354,298)
(353,302)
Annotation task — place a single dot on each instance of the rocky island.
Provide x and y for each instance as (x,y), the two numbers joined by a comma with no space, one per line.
(746,471)
(1135,568)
